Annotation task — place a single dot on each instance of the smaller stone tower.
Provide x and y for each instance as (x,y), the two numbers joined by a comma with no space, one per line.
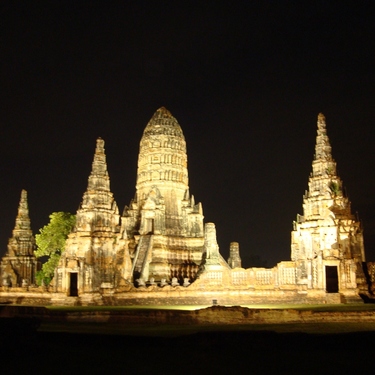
(234,259)
(19,265)
(327,240)
(89,261)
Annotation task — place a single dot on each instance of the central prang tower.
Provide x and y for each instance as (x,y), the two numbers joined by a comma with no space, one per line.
(162,170)
(163,221)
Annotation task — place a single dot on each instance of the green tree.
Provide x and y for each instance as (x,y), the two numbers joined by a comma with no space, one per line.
(51,243)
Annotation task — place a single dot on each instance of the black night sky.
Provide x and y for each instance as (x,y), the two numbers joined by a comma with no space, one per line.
(245,82)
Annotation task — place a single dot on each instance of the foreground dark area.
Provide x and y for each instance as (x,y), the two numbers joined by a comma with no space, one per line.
(25,349)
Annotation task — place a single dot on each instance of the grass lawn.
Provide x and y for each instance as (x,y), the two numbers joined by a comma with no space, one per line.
(181,330)
(171,330)
(318,307)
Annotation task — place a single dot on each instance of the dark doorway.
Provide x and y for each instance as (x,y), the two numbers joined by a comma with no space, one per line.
(332,280)
(73,290)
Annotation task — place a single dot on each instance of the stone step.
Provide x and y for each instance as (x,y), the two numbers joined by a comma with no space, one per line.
(143,245)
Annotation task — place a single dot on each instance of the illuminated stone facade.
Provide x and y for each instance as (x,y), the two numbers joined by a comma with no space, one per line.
(19,265)
(93,249)
(159,251)
(163,223)
(327,240)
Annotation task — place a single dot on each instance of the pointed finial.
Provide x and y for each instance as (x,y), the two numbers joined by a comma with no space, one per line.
(163,112)
(321,122)
(99,150)
(187,195)
(22,219)
(99,164)
(322,147)
(192,201)
(100,145)
(23,196)
(23,206)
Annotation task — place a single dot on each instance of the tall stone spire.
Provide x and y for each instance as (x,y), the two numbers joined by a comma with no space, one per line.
(98,180)
(98,205)
(322,147)
(89,260)
(327,234)
(162,166)
(324,182)
(22,241)
(19,265)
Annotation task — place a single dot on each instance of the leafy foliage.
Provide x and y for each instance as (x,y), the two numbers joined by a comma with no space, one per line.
(334,187)
(51,243)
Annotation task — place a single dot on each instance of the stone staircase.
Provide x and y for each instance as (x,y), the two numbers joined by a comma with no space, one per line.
(143,248)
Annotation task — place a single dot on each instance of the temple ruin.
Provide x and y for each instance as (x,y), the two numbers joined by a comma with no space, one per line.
(160,251)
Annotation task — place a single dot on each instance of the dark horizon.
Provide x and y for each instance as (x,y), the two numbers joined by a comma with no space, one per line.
(245,83)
